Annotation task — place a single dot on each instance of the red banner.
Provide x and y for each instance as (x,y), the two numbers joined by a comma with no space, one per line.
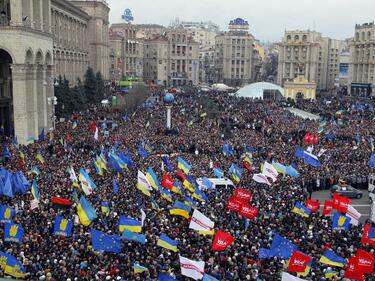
(312,205)
(181,176)
(248,212)
(234,204)
(298,262)
(328,206)
(341,203)
(167,182)
(351,270)
(242,194)
(365,262)
(247,166)
(222,241)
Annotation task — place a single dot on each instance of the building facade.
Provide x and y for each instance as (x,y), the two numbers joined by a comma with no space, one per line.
(126,51)
(362,60)
(300,88)
(234,59)
(309,54)
(26,64)
(172,59)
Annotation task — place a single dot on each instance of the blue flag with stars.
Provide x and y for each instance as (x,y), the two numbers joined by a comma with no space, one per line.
(281,247)
(105,242)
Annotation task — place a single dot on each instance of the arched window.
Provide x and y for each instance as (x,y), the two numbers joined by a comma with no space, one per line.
(296,38)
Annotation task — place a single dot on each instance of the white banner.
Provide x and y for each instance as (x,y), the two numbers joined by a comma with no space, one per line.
(270,171)
(200,222)
(261,179)
(288,277)
(143,216)
(192,269)
(353,214)
(143,181)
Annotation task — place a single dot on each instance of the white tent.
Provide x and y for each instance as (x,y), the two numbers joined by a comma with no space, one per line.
(221,87)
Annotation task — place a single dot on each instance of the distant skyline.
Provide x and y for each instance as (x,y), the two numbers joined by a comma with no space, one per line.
(268,19)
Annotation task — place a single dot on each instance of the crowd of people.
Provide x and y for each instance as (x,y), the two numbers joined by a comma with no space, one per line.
(199,134)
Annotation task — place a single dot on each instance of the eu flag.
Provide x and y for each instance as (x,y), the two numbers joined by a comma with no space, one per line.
(281,247)
(13,232)
(105,242)
(142,152)
(167,163)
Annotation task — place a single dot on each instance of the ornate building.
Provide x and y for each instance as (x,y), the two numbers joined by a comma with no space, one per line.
(35,36)
(362,60)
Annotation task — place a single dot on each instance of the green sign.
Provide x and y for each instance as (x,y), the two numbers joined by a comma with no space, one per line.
(114,101)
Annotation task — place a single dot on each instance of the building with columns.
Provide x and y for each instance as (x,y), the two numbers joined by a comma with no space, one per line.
(39,40)
(362,60)
(26,64)
(309,54)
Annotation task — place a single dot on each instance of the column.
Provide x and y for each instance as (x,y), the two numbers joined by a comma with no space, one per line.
(41,97)
(19,102)
(49,92)
(16,12)
(32,100)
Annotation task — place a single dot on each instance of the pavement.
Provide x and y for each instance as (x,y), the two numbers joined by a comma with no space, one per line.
(361,205)
(303,114)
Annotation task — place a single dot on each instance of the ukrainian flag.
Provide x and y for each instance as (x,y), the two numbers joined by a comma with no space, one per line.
(130,224)
(190,202)
(371,234)
(279,167)
(34,191)
(154,205)
(180,209)
(35,171)
(166,194)
(212,232)
(330,258)
(189,183)
(138,268)
(105,208)
(167,243)
(85,211)
(98,168)
(14,268)
(39,156)
(30,140)
(301,210)
(177,188)
(330,274)
(307,270)
(152,178)
(84,177)
(183,165)
(199,195)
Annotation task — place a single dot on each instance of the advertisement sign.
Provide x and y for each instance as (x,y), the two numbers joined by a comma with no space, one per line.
(344,70)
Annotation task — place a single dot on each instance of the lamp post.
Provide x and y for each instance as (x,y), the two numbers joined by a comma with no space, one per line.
(52,101)
(168,101)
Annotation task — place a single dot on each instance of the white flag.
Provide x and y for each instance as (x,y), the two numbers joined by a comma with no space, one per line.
(73,175)
(200,222)
(353,214)
(143,216)
(288,277)
(310,149)
(321,152)
(34,204)
(270,171)
(96,135)
(261,179)
(192,269)
(86,187)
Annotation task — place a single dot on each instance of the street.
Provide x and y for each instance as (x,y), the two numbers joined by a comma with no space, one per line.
(361,205)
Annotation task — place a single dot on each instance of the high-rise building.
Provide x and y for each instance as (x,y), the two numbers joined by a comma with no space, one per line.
(126,51)
(39,40)
(172,59)
(362,60)
(309,54)
(235,54)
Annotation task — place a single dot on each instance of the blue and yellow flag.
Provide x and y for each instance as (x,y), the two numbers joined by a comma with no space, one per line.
(180,209)
(190,202)
(154,205)
(167,243)
(235,172)
(152,178)
(218,173)
(330,274)
(307,269)
(84,177)
(129,224)
(62,227)
(6,214)
(14,268)
(105,208)
(199,195)
(227,150)
(85,211)
(340,222)
(138,268)
(34,191)
(13,232)
(177,188)
(279,167)
(104,242)
(166,194)
(29,140)
(35,171)
(142,152)
(301,210)
(190,183)
(183,165)
(129,235)
(330,258)
(40,157)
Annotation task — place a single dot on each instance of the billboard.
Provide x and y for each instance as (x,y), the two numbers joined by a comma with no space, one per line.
(344,70)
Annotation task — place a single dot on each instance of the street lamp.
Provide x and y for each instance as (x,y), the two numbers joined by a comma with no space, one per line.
(52,101)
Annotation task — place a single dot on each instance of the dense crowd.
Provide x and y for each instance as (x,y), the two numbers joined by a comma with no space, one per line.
(198,137)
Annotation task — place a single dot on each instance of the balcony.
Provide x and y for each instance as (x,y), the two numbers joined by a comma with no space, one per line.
(4,20)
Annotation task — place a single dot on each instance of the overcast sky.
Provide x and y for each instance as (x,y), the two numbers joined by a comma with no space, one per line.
(267,18)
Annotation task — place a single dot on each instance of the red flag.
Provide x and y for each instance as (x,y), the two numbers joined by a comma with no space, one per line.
(365,240)
(167,182)
(234,204)
(61,202)
(247,166)
(341,203)
(298,262)
(242,194)
(20,164)
(180,176)
(312,205)
(351,270)
(248,212)
(328,206)
(306,138)
(365,262)
(222,241)
(314,139)
(93,126)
